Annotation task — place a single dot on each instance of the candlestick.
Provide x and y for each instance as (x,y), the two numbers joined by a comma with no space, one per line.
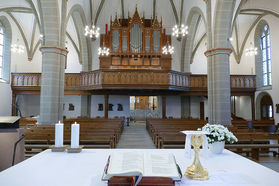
(106,28)
(59,127)
(75,135)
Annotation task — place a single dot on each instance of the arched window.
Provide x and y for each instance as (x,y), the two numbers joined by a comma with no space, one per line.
(5,49)
(266,56)
(1,50)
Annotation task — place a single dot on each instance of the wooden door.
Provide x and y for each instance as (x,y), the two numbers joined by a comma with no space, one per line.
(266,108)
(141,102)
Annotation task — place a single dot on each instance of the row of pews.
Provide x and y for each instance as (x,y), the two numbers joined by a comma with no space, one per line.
(254,136)
(165,133)
(94,133)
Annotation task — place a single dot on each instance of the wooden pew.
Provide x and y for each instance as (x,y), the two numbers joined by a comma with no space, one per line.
(94,133)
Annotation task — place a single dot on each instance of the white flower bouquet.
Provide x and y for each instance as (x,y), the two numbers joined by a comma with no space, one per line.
(218,133)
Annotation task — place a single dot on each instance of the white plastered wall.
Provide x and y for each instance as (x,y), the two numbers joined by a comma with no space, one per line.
(247,64)
(243,107)
(173,106)
(113,99)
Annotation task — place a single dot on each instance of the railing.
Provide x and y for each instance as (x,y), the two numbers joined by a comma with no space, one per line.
(72,80)
(178,79)
(91,79)
(237,81)
(26,79)
(137,79)
(243,81)
(198,81)
(134,78)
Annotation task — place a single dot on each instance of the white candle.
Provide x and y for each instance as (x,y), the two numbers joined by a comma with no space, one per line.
(59,127)
(75,135)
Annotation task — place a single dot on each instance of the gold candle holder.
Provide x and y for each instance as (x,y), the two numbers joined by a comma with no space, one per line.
(196,171)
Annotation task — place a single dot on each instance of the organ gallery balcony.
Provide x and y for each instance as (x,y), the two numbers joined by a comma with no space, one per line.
(132,79)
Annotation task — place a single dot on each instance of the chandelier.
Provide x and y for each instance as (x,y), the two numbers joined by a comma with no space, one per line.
(168,49)
(17,48)
(93,32)
(252,51)
(103,51)
(179,31)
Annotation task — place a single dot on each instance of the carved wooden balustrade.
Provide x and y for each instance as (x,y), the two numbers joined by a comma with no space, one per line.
(33,80)
(26,80)
(132,79)
(91,79)
(237,81)
(72,81)
(198,81)
(243,81)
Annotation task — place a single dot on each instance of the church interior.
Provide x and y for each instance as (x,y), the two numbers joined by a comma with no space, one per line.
(134,73)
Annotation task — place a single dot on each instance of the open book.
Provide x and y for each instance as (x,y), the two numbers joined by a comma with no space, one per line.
(142,164)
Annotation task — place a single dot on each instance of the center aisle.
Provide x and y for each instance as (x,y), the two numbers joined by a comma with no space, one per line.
(135,136)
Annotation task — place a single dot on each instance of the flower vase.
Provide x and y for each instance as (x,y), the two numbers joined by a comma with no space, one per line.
(217,147)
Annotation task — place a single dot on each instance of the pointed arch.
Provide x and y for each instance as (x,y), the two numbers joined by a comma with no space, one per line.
(78,15)
(194,18)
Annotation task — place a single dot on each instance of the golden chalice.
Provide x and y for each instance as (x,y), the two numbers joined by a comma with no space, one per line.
(196,171)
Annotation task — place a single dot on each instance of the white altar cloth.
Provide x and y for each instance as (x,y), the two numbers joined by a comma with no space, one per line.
(86,168)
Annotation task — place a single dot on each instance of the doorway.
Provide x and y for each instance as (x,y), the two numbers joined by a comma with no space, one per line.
(142,107)
(266,108)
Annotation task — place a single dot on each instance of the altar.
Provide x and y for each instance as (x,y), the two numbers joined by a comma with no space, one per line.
(86,169)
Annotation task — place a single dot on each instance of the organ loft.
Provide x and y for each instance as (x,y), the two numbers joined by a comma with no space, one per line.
(135,43)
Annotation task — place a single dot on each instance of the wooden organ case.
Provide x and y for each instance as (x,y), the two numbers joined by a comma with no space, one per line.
(135,43)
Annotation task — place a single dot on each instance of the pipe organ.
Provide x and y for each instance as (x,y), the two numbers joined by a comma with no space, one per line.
(135,43)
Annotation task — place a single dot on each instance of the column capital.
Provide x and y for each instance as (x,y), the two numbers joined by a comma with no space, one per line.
(218,51)
(54,49)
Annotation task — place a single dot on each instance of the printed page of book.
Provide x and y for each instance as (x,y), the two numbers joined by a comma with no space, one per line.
(126,163)
(160,165)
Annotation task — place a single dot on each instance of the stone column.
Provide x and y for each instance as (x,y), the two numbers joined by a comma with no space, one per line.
(253,106)
(85,106)
(52,85)
(185,107)
(53,60)
(220,84)
(210,74)
(106,106)
(14,104)
(164,107)
(218,53)
(85,57)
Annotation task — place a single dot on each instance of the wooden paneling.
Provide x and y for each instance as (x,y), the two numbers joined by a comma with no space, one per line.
(136,61)
(155,61)
(136,79)
(116,61)
(142,102)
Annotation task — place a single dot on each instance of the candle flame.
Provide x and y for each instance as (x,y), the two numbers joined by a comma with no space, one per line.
(75,122)
(59,121)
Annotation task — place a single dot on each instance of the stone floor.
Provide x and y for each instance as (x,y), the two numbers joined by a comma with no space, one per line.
(270,162)
(136,136)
